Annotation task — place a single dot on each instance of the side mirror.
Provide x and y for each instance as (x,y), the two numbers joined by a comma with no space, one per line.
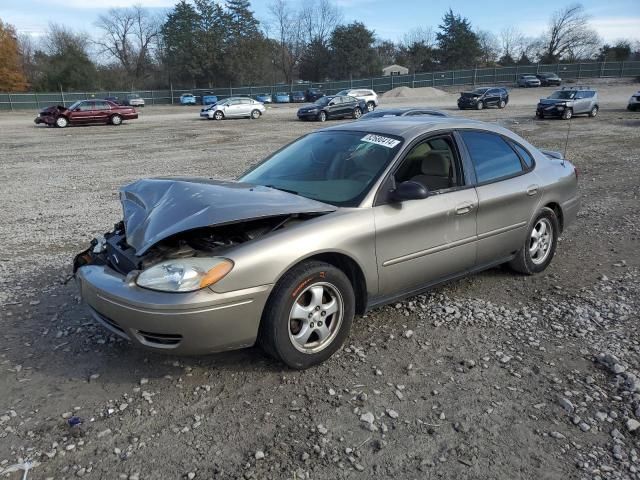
(409,190)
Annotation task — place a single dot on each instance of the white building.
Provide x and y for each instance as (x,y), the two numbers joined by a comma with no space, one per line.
(395,70)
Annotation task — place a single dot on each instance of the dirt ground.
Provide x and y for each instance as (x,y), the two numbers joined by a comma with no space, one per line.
(498,376)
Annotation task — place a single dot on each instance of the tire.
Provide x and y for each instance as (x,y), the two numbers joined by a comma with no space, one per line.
(536,254)
(115,120)
(255,114)
(594,111)
(567,114)
(218,115)
(540,115)
(479,106)
(371,106)
(322,116)
(305,285)
(62,122)
(357,113)
(502,104)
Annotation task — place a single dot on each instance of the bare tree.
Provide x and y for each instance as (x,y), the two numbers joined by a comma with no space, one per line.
(420,35)
(489,46)
(287,27)
(510,42)
(568,34)
(319,18)
(130,36)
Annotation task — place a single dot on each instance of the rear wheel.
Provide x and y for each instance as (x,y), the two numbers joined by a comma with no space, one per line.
(218,115)
(255,114)
(567,114)
(371,106)
(62,122)
(115,119)
(308,316)
(357,113)
(322,116)
(540,246)
(594,111)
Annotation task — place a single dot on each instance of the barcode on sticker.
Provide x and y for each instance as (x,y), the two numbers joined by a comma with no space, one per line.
(380,140)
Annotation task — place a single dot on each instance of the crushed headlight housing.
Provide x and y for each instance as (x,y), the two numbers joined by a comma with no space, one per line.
(184,274)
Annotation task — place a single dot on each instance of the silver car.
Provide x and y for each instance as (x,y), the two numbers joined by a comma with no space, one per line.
(233,107)
(528,81)
(336,223)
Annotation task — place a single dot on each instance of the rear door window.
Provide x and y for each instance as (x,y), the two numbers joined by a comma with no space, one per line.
(492,157)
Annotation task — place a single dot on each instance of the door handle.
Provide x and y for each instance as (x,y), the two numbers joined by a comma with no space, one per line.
(532,190)
(464,208)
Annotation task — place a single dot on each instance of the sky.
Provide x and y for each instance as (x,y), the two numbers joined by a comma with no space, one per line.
(390,19)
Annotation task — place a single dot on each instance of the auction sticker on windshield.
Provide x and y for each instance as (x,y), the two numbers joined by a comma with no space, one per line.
(380,140)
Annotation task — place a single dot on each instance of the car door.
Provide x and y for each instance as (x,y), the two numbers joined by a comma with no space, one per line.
(421,242)
(333,107)
(101,111)
(244,108)
(582,102)
(508,194)
(234,108)
(348,105)
(83,113)
(490,97)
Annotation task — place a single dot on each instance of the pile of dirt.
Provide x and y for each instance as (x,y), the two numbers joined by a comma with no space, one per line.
(408,92)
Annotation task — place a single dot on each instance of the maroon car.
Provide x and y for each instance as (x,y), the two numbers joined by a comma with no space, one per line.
(86,111)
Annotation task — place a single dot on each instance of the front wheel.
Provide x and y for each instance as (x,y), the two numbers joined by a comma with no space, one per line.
(371,106)
(479,106)
(502,104)
(567,114)
(218,115)
(594,111)
(357,113)
(61,122)
(255,114)
(540,245)
(116,120)
(308,316)
(322,116)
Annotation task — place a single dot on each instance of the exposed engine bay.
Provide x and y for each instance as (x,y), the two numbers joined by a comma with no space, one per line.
(111,249)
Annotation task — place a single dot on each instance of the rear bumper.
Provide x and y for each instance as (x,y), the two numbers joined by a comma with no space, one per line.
(179,323)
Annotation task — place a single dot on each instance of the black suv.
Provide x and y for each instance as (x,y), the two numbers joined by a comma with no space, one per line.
(548,79)
(337,106)
(484,97)
(313,94)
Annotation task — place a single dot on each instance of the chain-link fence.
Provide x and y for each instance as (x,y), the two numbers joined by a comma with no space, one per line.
(472,76)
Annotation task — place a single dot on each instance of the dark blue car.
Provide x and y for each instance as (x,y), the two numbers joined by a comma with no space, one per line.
(298,97)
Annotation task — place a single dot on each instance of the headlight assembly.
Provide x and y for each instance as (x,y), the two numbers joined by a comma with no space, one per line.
(184,274)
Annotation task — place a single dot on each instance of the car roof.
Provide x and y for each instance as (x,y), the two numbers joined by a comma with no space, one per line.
(412,127)
(404,110)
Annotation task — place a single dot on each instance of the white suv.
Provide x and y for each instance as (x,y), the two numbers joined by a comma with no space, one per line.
(634,102)
(369,96)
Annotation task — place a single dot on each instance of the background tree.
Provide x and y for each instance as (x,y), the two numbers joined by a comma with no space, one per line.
(181,52)
(12,76)
(418,50)
(568,35)
(510,40)
(64,61)
(315,62)
(287,27)
(353,51)
(129,36)
(457,43)
(619,52)
(489,47)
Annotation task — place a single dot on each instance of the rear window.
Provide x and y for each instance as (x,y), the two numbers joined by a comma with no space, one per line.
(492,157)
(526,156)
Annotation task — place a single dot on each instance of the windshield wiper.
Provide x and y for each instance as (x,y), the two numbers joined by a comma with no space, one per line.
(282,189)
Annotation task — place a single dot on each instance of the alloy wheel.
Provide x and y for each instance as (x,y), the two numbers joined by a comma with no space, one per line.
(315,317)
(540,241)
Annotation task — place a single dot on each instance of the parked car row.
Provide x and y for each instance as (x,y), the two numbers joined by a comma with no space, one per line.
(544,79)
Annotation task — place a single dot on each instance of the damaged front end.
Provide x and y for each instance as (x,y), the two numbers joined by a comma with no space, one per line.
(167,221)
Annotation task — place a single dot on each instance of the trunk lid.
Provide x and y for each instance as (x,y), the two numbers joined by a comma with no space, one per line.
(155,209)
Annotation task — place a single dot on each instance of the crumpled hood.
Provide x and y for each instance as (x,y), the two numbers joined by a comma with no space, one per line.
(155,209)
(53,109)
(553,101)
(470,94)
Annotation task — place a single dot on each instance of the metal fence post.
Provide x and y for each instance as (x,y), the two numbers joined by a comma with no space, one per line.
(152,100)
(37,102)
(10,102)
(622,68)
(602,69)
(391,81)
(495,75)
(171,88)
(475,74)
(579,70)
(413,82)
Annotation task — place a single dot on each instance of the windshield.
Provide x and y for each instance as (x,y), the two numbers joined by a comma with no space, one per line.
(335,167)
(480,90)
(563,94)
(343,92)
(74,105)
(323,101)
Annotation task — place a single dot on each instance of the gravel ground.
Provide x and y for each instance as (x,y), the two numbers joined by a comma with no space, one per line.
(496,376)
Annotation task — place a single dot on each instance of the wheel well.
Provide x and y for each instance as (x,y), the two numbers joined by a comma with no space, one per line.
(353,272)
(558,211)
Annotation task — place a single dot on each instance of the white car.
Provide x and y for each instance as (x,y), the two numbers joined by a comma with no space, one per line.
(634,102)
(233,107)
(369,96)
(134,100)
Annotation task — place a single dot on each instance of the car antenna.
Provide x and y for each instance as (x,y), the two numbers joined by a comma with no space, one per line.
(566,142)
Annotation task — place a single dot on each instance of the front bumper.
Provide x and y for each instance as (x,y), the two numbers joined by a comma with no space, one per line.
(179,323)
(44,119)
(550,110)
(206,115)
(467,104)
(310,114)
